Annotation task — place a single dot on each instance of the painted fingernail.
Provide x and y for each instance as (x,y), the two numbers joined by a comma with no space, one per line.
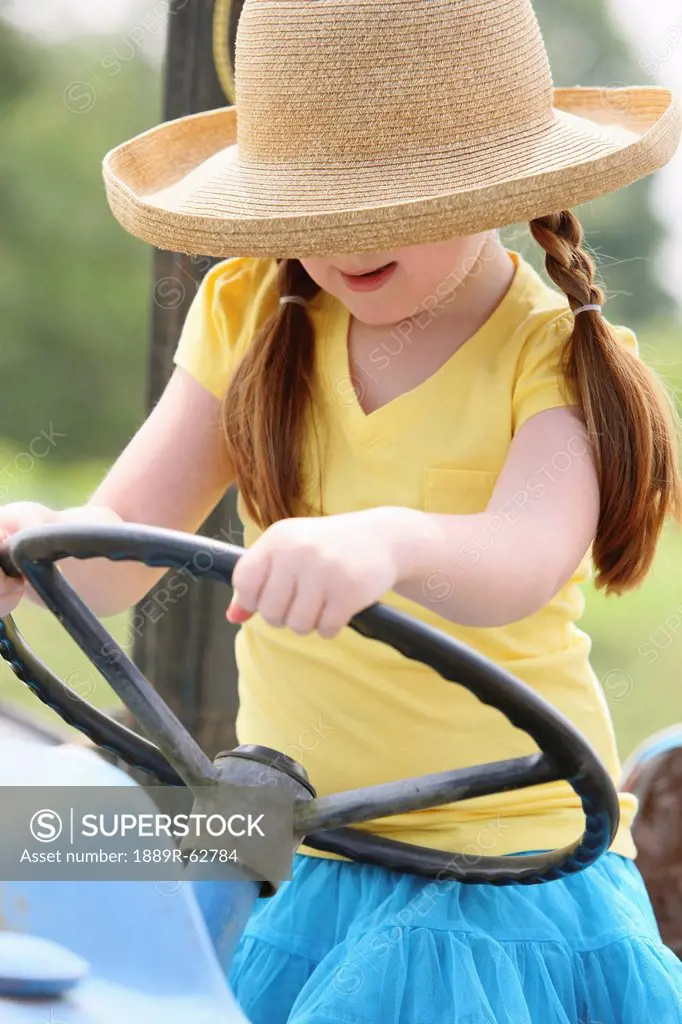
(237,614)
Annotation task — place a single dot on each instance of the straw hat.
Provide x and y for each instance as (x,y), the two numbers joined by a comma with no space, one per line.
(366,125)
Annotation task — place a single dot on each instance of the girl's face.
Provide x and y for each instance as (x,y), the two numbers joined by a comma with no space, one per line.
(381,289)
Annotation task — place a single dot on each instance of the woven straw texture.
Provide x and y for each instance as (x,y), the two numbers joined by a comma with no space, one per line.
(366,125)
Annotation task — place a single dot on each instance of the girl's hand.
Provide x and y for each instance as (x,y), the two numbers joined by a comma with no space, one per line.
(18,515)
(316,573)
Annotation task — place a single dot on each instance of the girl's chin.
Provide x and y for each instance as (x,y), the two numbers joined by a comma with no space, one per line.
(377,313)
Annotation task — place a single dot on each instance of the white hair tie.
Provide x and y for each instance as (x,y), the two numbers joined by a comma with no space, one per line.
(582,309)
(294,298)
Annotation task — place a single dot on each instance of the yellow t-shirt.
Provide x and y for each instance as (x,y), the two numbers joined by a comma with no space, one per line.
(355,712)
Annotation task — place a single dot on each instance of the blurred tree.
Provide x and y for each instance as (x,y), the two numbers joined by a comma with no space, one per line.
(18,64)
(587,48)
(75,288)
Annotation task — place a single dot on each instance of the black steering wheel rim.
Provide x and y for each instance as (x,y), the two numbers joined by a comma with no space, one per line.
(323,822)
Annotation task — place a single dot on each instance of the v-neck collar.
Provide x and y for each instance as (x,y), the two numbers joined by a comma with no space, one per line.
(379,423)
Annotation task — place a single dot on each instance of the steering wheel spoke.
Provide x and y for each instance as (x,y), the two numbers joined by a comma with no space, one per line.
(416,794)
(161,725)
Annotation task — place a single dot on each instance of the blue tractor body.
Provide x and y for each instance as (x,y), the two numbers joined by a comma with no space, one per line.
(116,951)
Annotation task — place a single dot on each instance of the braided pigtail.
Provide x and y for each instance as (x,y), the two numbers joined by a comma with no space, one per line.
(630,418)
(265,405)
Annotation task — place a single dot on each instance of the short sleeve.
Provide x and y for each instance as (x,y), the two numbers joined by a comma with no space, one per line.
(539,382)
(230,305)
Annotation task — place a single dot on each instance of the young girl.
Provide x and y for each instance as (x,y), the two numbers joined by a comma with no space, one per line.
(413,415)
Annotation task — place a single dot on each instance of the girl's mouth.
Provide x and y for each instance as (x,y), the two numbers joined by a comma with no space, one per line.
(371,281)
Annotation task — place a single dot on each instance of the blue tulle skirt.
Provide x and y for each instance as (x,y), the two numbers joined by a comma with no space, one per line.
(345,943)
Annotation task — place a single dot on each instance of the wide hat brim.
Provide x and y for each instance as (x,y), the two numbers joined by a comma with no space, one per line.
(182,185)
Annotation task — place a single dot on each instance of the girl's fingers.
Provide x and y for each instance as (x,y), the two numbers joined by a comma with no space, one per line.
(249,577)
(12,593)
(305,610)
(277,596)
(332,619)
(236,614)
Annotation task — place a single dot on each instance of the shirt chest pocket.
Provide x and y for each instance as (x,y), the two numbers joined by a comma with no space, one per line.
(457,491)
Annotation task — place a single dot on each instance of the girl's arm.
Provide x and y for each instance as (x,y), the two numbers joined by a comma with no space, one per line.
(172,473)
(506,563)
(486,569)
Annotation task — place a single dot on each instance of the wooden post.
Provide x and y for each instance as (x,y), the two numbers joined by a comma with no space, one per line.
(187,652)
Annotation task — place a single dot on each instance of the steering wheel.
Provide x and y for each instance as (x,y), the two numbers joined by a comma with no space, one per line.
(172,757)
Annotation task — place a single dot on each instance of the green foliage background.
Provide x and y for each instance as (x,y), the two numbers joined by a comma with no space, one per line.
(76,292)
(75,288)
